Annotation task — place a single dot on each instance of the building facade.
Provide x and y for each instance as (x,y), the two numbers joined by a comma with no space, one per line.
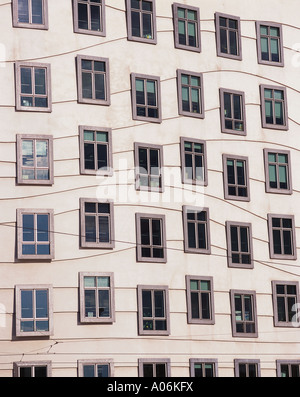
(149,160)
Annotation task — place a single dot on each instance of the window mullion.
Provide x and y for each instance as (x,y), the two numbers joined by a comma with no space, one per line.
(239,243)
(34,308)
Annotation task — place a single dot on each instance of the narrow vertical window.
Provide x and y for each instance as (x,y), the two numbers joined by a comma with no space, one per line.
(154,368)
(186,27)
(95,368)
(274,107)
(95,151)
(153,310)
(278,171)
(200,302)
(285,300)
(33,310)
(33,87)
(239,244)
(203,368)
(97,298)
(269,43)
(141,21)
(282,236)
(146,101)
(236,178)
(151,240)
(193,161)
(233,113)
(35,234)
(35,159)
(30,14)
(93,80)
(190,93)
(149,167)
(196,230)
(243,312)
(228,35)
(89,17)
(97,223)
(247,368)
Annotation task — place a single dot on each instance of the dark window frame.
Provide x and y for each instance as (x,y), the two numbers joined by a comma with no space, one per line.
(141,39)
(277,322)
(95,362)
(238,225)
(236,158)
(232,93)
(181,111)
(247,362)
(243,322)
(30,25)
(278,190)
(203,361)
(289,364)
(77,29)
(219,15)
(154,361)
(200,320)
(32,365)
(274,255)
(184,178)
(274,126)
(197,47)
(197,250)
(269,25)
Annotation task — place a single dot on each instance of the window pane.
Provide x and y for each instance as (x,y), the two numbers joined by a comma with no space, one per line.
(145,232)
(23,11)
(209,370)
(88,371)
(103,301)
(140,94)
(195,94)
(272,176)
(42,153)
(230,171)
(201,235)
(26,82)
(276,242)
(275,50)
(151,95)
(41,297)
(237,107)
(192,34)
(135,24)
(240,165)
(82,16)
(233,43)
(87,91)
(159,303)
(28,227)
(198,370)
(244,239)
(147,303)
(89,282)
(26,304)
(40,372)
(42,227)
(90,229)
(25,372)
(102,156)
(161,370)
(287,242)
(148,370)
(40,81)
(281,309)
(100,86)
(156,232)
(264,48)
(283,177)
(37,11)
(90,303)
(102,371)
(248,308)
(89,156)
(234,238)
(205,305)
(227,105)
(191,235)
(95,18)
(103,229)
(147,26)
(279,113)
(223,39)
(27,153)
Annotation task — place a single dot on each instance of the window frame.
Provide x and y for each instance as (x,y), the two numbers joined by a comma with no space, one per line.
(48,95)
(34,212)
(175,7)
(190,74)
(30,25)
(289,363)
(20,180)
(83,170)
(222,91)
(285,125)
(237,363)
(97,320)
(288,173)
(92,244)
(102,32)
(187,249)
(140,39)
(18,303)
(237,57)
(93,101)
(293,256)
(228,225)
(31,364)
(191,320)
(286,323)
(148,147)
(150,217)
(193,361)
(204,161)
(258,25)
(145,77)
(103,361)
(254,313)
(154,361)
(235,158)
(153,288)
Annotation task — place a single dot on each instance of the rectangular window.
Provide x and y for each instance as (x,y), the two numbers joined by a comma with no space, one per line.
(233,112)
(203,368)
(93,80)
(243,313)
(193,161)
(247,368)
(34,310)
(278,171)
(35,159)
(274,107)
(228,35)
(196,230)
(269,43)
(288,368)
(95,151)
(236,178)
(97,298)
(239,244)
(151,238)
(141,21)
(148,167)
(30,14)
(146,100)
(33,84)
(97,223)
(89,17)
(154,368)
(190,94)
(153,310)
(35,234)
(95,368)
(187,27)
(36,369)
(200,300)
(282,236)
(285,300)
